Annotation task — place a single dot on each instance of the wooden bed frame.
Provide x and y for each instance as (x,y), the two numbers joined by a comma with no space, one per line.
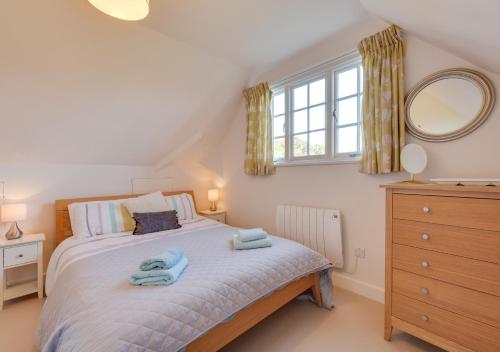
(222,334)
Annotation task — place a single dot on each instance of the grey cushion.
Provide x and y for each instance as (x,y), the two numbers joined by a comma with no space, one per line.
(155,222)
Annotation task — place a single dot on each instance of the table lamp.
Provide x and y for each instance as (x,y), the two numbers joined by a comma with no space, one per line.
(213,196)
(13,213)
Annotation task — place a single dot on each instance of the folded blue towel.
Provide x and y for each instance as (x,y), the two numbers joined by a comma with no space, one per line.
(247,235)
(160,276)
(164,261)
(238,244)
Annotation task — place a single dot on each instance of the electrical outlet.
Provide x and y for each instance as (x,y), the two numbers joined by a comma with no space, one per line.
(359,253)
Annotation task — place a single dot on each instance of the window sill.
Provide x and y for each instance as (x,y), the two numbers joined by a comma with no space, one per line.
(317,162)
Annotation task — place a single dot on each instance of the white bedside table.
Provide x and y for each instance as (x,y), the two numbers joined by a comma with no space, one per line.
(218,215)
(15,253)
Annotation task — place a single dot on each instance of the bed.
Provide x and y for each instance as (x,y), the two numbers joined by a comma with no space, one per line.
(91,306)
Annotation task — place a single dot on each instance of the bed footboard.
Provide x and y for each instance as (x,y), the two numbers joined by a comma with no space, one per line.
(224,333)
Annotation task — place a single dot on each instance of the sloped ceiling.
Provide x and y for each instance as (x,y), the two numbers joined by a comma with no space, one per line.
(77,86)
(469,29)
(252,33)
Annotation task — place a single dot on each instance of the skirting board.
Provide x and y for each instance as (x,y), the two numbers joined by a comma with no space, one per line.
(361,288)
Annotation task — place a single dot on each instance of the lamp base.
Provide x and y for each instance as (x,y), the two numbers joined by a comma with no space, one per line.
(14,232)
(213,207)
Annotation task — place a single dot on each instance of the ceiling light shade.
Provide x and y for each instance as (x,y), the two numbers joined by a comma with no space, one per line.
(128,10)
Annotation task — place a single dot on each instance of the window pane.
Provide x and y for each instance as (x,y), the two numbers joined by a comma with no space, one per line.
(300,145)
(348,82)
(300,97)
(300,121)
(348,111)
(279,126)
(279,104)
(279,149)
(317,118)
(361,78)
(317,143)
(317,92)
(347,139)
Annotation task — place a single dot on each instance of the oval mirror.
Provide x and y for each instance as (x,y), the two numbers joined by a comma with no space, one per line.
(449,104)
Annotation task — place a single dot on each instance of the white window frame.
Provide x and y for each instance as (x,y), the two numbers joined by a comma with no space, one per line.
(336,100)
(290,130)
(329,71)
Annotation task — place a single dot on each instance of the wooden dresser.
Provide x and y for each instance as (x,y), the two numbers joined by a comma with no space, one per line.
(443,265)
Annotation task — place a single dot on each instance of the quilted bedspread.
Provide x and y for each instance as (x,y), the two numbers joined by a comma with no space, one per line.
(93,307)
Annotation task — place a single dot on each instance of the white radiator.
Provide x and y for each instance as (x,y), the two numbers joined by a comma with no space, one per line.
(316,228)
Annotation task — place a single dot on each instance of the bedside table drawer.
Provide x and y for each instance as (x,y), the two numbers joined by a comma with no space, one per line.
(20,254)
(218,217)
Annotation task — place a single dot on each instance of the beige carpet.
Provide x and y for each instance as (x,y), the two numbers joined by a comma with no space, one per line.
(355,324)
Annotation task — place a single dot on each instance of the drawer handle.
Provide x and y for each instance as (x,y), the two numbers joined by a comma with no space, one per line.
(426,210)
(424,291)
(20,255)
(424,264)
(424,317)
(426,237)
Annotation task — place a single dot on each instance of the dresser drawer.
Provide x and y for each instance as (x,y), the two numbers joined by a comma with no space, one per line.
(20,255)
(465,331)
(466,242)
(463,212)
(469,273)
(473,304)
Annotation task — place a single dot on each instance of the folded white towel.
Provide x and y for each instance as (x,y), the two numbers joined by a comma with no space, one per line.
(247,235)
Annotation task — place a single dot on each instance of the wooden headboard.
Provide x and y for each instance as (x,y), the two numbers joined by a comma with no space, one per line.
(63,224)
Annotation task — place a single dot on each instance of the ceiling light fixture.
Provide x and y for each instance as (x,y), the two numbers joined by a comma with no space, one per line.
(128,10)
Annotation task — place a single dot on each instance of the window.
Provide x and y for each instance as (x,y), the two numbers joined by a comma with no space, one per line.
(309,119)
(348,94)
(317,114)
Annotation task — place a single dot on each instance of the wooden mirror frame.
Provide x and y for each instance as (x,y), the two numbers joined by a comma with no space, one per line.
(478,79)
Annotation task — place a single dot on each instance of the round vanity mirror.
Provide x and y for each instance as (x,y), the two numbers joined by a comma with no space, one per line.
(413,159)
(449,104)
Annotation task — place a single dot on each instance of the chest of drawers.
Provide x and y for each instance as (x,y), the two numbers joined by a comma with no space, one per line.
(443,265)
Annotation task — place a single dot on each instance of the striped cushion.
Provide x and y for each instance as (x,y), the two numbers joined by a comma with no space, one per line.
(97,218)
(184,205)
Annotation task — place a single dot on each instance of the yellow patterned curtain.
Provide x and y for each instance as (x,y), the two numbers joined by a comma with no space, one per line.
(383,114)
(259,158)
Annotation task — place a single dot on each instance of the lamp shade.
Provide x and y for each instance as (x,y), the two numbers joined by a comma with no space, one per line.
(14,212)
(128,10)
(213,195)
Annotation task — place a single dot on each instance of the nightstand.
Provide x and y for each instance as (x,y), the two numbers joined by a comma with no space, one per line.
(218,215)
(20,252)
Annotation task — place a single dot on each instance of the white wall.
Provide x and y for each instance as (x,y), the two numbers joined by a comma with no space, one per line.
(252,201)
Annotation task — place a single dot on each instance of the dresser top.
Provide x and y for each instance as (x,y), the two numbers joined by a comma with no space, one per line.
(434,187)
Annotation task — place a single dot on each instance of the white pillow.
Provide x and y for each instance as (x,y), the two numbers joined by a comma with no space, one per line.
(102,217)
(149,203)
(184,205)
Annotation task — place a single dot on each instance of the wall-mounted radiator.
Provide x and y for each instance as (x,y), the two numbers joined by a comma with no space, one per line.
(316,228)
